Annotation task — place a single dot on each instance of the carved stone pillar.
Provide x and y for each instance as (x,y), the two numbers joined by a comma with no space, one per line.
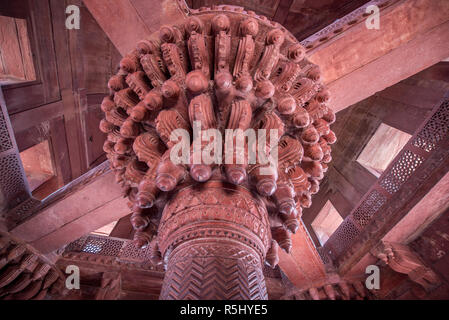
(214,240)
(214,221)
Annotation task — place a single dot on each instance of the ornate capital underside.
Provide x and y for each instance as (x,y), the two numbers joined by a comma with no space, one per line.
(229,70)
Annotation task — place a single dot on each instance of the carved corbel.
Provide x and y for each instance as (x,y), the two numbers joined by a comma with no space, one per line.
(155,254)
(152,64)
(123,146)
(249,28)
(142,239)
(117,82)
(290,221)
(116,116)
(239,119)
(199,57)
(201,109)
(290,153)
(309,135)
(130,63)
(299,179)
(402,259)
(314,73)
(282,237)
(272,259)
(329,116)
(149,148)
(313,152)
(284,197)
(313,169)
(322,127)
(330,137)
(166,122)
(197,82)
(130,129)
(107,104)
(286,105)
(110,286)
(300,117)
(168,173)
(271,123)
(135,172)
(126,99)
(270,57)
(221,26)
(153,100)
(138,83)
(138,220)
(316,109)
(147,194)
(264,177)
(285,76)
(225,92)
(172,55)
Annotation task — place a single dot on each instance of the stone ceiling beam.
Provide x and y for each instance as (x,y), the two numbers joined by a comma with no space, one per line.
(128,21)
(303,265)
(412,37)
(359,62)
(82,206)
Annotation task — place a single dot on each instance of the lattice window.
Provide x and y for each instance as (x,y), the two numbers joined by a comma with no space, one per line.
(323,255)
(401,171)
(76,245)
(103,246)
(343,237)
(435,130)
(131,252)
(5,140)
(12,183)
(369,207)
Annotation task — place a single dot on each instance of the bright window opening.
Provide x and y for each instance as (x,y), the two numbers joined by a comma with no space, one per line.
(105,230)
(382,148)
(326,222)
(38,164)
(16,59)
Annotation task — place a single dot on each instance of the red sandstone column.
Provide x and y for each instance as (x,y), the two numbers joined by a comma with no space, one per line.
(213,240)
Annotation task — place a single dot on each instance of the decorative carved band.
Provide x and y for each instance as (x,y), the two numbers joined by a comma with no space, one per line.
(215,209)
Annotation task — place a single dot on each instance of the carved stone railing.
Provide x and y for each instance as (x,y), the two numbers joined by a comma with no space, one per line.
(14,188)
(110,251)
(422,162)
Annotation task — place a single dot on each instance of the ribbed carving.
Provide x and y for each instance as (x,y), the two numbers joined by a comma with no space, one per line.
(214,272)
(211,249)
